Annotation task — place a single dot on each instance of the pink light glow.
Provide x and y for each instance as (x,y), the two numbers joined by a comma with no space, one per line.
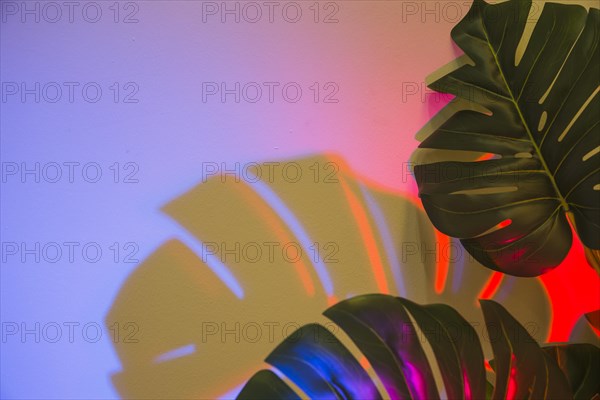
(467,386)
(511,390)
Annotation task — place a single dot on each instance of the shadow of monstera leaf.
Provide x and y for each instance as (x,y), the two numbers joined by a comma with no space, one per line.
(262,254)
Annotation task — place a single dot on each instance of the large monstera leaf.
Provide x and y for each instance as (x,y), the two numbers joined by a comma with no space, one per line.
(539,118)
(390,333)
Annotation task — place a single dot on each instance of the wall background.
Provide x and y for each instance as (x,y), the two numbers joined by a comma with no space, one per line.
(157,126)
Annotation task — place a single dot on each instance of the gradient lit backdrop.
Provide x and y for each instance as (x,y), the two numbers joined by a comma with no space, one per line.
(154,125)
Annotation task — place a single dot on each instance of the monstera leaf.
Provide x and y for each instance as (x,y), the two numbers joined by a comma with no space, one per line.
(536,118)
(390,333)
(581,366)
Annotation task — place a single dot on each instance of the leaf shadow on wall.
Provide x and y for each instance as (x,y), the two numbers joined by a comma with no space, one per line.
(265,253)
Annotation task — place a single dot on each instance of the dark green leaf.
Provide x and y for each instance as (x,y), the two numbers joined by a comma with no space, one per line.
(456,348)
(321,366)
(522,369)
(581,365)
(510,212)
(383,331)
(381,327)
(265,385)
